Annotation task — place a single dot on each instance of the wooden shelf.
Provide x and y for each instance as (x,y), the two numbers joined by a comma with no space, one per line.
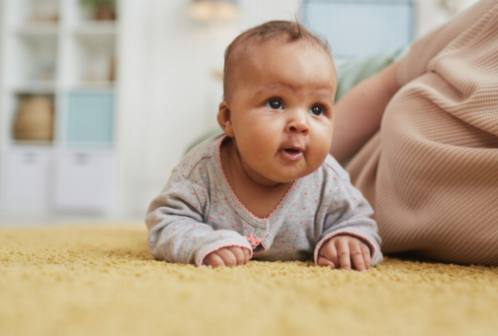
(39,29)
(31,143)
(35,87)
(96,28)
(105,86)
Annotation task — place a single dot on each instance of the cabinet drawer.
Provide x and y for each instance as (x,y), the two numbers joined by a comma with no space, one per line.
(84,181)
(28,179)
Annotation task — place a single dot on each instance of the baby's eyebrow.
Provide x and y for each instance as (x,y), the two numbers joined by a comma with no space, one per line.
(278,86)
(271,87)
(321,92)
(293,87)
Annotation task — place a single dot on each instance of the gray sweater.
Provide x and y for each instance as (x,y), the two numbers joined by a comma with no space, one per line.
(198,212)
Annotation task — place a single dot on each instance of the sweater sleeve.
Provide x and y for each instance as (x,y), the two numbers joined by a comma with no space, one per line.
(350,213)
(415,62)
(177,229)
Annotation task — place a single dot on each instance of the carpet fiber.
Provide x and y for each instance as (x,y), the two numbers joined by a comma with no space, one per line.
(87,280)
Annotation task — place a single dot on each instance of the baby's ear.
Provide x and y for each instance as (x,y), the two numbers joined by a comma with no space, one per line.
(224,119)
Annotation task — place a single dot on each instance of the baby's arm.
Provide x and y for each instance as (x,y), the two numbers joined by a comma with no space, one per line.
(349,236)
(178,233)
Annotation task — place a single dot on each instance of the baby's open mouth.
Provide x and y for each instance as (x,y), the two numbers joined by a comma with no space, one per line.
(292,150)
(292,153)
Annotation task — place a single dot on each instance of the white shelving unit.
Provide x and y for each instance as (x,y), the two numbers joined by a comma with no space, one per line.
(54,51)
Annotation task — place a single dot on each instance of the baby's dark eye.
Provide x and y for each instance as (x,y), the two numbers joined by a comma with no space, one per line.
(275,103)
(317,110)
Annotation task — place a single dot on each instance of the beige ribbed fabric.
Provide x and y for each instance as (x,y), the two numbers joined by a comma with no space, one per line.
(431,172)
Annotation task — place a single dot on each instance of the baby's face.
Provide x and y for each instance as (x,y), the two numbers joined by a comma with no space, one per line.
(281,109)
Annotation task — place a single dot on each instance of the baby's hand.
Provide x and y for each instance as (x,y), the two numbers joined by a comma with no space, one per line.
(227,256)
(342,250)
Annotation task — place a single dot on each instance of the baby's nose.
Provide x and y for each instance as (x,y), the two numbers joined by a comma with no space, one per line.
(298,123)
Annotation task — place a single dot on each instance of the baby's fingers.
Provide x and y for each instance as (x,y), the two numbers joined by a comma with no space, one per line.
(247,254)
(213,260)
(329,252)
(322,261)
(356,255)
(366,255)
(228,257)
(342,247)
(239,255)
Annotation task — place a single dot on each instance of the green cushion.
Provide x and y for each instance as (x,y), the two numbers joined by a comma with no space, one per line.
(352,72)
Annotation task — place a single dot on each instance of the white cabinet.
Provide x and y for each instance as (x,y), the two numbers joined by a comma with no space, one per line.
(28,179)
(84,180)
(59,70)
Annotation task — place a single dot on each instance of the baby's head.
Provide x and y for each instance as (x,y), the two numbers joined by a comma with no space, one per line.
(279,85)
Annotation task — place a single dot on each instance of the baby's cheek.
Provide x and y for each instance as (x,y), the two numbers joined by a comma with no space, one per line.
(315,159)
(322,145)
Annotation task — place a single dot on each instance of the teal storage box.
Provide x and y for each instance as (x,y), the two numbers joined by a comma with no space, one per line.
(89,118)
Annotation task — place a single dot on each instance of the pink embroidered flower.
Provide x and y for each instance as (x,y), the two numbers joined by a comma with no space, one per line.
(253,240)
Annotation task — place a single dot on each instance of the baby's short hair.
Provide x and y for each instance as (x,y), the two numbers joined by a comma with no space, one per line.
(270,30)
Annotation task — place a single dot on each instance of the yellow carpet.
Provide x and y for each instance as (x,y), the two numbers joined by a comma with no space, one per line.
(91,280)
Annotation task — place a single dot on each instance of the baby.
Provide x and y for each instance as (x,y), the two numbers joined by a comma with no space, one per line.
(267,188)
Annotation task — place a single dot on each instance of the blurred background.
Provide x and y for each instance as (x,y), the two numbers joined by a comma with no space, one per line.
(99,99)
